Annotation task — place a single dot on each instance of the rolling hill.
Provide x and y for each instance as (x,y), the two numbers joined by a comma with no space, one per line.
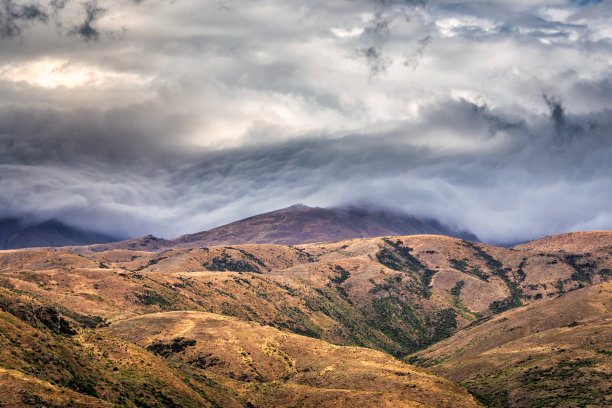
(557,352)
(55,357)
(435,296)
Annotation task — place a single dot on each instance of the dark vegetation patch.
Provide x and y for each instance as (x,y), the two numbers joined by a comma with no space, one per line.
(297,322)
(80,383)
(36,315)
(499,306)
(462,266)
(150,263)
(497,269)
(149,298)
(88,321)
(206,361)
(177,345)
(304,256)
(583,271)
(252,257)
(395,256)
(456,290)
(406,323)
(520,272)
(570,382)
(225,262)
(338,280)
(342,276)
(390,323)
(50,317)
(30,399)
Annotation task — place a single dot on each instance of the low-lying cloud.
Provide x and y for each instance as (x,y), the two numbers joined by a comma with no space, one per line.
(173,117)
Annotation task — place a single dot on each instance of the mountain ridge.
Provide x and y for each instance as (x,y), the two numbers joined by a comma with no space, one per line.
(296,225)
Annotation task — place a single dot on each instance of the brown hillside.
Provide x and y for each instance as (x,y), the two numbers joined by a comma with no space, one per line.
(270,368)
(300,224)
(47,358)
(574,242)
(50,358)
(398,295)
(556,352)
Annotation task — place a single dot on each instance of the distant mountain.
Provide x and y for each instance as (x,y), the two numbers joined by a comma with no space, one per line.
(300,224)
(17,233)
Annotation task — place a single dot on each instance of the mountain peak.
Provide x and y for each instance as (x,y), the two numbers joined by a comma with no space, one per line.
(300,224)
(295,207)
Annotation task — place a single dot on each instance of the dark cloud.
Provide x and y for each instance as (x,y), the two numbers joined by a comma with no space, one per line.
(86,29)
(377,62)
(377,33)
(136,135)
(14,17)
(415,56)
(58,5)
(565,131)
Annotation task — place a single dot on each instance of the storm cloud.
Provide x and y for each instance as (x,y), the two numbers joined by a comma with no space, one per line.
(172,117)
(86,29)
(14,17)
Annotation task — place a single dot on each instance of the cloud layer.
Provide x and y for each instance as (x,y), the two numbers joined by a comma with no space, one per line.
(171,117)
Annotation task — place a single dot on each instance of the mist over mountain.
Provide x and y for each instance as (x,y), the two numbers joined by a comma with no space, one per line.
(300,224)
(21,233)
(491,116)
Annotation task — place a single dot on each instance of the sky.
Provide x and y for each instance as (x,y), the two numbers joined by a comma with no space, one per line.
(174,116)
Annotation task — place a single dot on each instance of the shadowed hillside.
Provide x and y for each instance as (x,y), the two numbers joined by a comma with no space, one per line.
(16,233)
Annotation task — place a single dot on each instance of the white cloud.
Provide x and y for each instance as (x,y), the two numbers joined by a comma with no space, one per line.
(54,73)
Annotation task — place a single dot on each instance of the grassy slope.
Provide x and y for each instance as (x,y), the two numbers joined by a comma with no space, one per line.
(556,352)
(271,368)
(397,295)
(55,361)
(231,364)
